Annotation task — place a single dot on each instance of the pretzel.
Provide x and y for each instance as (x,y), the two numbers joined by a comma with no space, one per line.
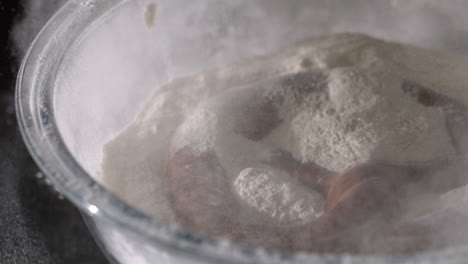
(363,205)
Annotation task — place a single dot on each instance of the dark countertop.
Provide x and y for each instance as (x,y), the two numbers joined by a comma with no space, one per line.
(36,224)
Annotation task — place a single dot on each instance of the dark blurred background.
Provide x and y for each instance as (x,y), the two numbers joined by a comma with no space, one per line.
(36,224)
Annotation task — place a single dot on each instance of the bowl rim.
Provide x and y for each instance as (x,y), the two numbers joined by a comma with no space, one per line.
(35,115)
(34,102)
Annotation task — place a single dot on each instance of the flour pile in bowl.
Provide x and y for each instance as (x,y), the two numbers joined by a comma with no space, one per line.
(318,147)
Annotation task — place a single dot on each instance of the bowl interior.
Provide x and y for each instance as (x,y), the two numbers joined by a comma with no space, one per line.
(119,60)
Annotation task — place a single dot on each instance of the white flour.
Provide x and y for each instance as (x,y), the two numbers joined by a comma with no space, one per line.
(362,114)
(272,192)
(365,115)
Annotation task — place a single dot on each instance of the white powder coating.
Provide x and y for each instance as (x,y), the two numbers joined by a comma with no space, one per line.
(275,197)
(457,199)
(365,115)
(272,192)
(199,131)
(362,115)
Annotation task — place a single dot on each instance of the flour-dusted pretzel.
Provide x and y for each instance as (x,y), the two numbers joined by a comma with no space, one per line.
(367,197)
(199,188)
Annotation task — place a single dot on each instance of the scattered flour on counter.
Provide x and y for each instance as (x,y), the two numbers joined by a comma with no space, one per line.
(362,115)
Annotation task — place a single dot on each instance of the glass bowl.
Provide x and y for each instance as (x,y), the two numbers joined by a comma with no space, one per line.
(108,47)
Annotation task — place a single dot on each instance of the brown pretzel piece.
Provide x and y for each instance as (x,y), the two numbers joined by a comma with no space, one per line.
(363,204)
